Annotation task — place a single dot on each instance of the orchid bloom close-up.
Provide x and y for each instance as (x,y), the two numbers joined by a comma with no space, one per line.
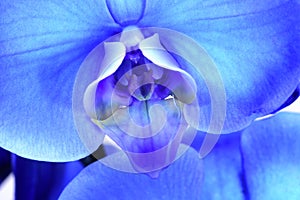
(116,99)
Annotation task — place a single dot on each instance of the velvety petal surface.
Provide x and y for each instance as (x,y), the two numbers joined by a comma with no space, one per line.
(5,164)
(271,154)
(42,46)
(255,47)
(181,180)
(222,169)
(42,180)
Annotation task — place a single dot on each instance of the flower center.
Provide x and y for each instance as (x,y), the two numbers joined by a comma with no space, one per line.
(139,77)
(138,99)
(132,89)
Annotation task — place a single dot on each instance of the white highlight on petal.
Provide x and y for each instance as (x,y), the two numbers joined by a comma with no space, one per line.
(114,56)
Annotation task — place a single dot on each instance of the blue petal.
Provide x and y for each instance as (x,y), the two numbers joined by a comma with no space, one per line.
(42,46)
(5,164)
(255,47)
(271,154)
(222,169)
(182,180)
(125,13)
(290,100)
(42,180)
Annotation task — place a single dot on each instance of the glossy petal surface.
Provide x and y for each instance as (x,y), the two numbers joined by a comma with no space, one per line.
(42,46)
(251,44)
(173,183)
(271,154)
(42,180)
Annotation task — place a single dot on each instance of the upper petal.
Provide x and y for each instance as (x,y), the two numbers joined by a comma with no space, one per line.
(255,48)
(126,13)
(42,46)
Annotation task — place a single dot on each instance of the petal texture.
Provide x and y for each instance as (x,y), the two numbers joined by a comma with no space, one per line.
(126,13)
(255,47)
(222,169)
(271,154)
(42,46)
(182,180)
(295,95)
(42,180)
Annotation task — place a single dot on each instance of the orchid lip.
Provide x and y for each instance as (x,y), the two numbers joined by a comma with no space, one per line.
(142,83)
(141,73)
(137,84)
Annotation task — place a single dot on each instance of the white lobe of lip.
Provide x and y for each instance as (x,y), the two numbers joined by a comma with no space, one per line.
(114,55)
(183,86)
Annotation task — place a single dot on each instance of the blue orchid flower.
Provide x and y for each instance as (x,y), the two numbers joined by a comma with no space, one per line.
(35,179)
(255,49)
(54,53)
(262,162)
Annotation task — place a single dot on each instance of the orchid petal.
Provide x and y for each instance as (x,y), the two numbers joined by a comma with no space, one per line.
(42,46)
(98,180)
(254,46)
(271,154)
(294,96)
(222,169)
(126,13)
